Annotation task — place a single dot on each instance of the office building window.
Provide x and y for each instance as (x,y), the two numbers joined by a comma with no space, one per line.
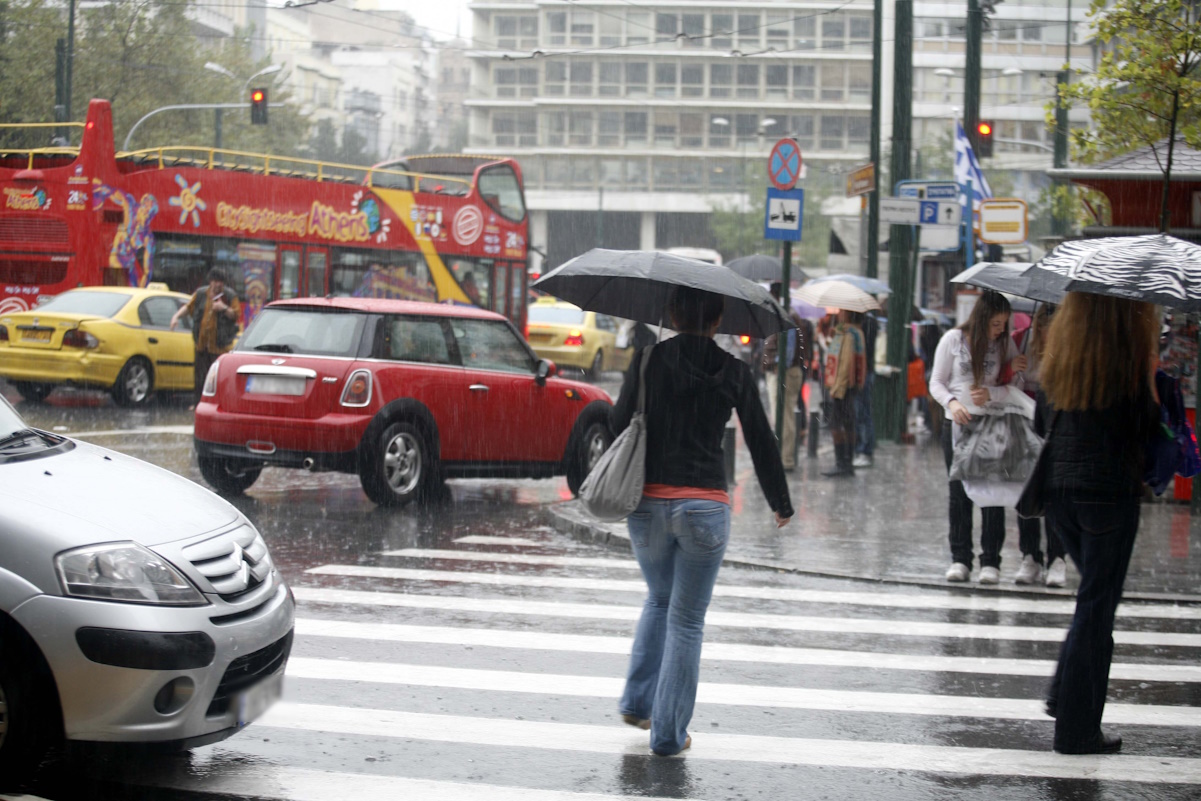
(583,173)
(693,28)
(804,82)
(638,27)
(776,77)
(832,129)
(666,27)
(692,80)
(608,129)
(583,26)
(749,33)
(637,74)
(581,79)
(746,128)
(859,82)
(1032,32)
(558,172)
(833,80)
(666,125)
(721,80)
(609,74)
(692,130)
(860,30)
(722,30)
(555,125)
(556,27)
(610,172)
(719,131)
(554,78)
(635,127)
(748,80)
(609,30)
(509,81)
(859,131)
(636,173)
(580,131)
(665,173)
(515,32)
(834,32)
(723,174)
(801,126)
(1007,29)
(690,174)
(777,31)
(665,79)
(804,33)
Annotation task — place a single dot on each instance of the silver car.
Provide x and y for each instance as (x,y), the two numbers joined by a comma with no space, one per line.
(135,605)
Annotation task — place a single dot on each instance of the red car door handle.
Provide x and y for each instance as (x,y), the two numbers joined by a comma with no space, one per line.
(478,387)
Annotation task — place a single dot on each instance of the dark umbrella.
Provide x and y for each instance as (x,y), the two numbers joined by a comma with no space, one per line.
(1014,279)
(636,285)
(761,267)
(1156,268)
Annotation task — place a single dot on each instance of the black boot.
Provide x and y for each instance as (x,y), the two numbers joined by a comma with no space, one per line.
(842,462)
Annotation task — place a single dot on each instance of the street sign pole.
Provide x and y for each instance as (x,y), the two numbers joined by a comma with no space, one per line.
(783,219)
(782,364)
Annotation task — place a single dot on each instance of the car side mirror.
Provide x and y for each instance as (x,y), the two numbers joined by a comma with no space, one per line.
(544,370)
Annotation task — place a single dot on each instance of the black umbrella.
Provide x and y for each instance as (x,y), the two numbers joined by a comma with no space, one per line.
(1157,268)
(1015,279)
(636,284)
(761,267)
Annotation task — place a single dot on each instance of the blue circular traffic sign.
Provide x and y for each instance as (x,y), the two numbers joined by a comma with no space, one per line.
(784,164)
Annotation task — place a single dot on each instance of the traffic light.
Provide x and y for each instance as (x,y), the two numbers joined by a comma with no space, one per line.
(258,106)
(984,131)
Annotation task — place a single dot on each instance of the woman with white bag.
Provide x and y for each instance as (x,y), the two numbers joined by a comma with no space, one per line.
(967,365)
(680,529)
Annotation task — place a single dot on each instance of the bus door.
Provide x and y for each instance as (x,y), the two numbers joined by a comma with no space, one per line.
(511,281)
(316,272)
(288,273)
(500,287)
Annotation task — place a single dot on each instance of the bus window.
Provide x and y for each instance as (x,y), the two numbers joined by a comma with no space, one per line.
(399,274)
(517,294)
(289,271)
(501,190)
(475,279)
(315,280)
(499,284)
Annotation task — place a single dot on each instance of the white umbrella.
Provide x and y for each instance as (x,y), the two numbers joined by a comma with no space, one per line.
(837,295)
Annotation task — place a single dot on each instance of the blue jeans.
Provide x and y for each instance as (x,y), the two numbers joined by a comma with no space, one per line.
(865,429)
(679,546)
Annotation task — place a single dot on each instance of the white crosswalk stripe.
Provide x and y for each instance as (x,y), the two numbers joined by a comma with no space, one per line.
(468,666)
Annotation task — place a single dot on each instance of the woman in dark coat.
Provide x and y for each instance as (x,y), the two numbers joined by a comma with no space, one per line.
(1099,411)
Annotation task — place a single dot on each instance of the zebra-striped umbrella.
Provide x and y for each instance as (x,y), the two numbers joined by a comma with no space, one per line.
(1157,268)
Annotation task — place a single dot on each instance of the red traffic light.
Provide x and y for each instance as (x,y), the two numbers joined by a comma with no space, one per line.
(257,96)
(984,128)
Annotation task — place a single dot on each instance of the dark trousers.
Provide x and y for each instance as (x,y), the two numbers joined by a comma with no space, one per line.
(1030,538)
(842,419)
(992,537)
(200,370)
(1099,535)
(865,429)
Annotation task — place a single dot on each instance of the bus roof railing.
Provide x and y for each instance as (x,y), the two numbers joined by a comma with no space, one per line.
(32,153)
(293,167)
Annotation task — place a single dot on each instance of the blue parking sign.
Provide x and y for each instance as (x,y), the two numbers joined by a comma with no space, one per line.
(929,212)
(783,216)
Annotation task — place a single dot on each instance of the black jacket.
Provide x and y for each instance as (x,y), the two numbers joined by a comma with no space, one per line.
(692,384)
(1097,454)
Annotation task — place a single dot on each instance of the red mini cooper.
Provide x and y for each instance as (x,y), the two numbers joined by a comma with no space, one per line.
(404,394)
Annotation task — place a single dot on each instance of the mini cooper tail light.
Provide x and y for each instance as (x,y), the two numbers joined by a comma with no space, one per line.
(210,382)
(574,338)
(76,338)
(357,391)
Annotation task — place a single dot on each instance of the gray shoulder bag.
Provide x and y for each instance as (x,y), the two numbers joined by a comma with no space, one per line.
(614,487)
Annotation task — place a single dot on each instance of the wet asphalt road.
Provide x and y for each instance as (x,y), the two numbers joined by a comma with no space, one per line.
(467,651)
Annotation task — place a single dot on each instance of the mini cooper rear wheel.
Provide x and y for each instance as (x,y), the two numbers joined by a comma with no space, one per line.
(228,477)
(33,391)
(27,713)
(134,383)
(397,468)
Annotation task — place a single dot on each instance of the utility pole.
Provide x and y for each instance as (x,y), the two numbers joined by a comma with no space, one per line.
(873,197)
(600,217)
(1059,216)
(900,240)
(971,74)
(70,59)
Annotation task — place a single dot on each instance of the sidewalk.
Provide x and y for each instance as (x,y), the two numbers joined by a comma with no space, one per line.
(889,523)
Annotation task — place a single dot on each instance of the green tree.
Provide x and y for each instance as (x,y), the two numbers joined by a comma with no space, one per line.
(1147,88)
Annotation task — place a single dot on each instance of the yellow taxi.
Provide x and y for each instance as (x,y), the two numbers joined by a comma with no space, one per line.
(108,337)
(572,337)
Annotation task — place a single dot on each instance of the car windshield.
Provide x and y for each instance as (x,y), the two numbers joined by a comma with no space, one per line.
(556,314)
(10,421)
(316,332)
(103,304)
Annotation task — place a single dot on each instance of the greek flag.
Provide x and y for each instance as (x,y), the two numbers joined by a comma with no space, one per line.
(967,168)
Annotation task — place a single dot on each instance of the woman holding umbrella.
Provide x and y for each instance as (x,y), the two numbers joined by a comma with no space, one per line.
(680,530)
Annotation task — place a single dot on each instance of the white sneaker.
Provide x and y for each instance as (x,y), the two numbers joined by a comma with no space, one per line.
(1029,572)
(958,571)
(1057,573)
(862,460)
(989,575)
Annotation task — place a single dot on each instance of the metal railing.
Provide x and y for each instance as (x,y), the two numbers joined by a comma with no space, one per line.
(30,153)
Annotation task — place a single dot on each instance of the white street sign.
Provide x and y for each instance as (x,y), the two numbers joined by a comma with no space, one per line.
(900,212)
(784,213)
(1003,221)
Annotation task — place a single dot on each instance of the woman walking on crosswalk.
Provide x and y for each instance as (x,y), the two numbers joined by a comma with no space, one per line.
(680,529)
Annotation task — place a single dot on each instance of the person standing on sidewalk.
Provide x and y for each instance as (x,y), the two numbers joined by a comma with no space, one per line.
(215,312)
(865,429)
(680,530)
(1030,528)
(1100,411)
(794,377)
(967,364)
(846,372)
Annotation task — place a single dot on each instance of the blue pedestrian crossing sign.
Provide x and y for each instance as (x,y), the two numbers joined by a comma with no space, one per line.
(784,215)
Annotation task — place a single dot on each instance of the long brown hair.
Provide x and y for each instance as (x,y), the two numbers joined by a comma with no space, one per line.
(1100,350)
(1039,326)
(975,330)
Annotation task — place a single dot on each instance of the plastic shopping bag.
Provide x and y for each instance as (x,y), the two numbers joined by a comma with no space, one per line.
(993,456)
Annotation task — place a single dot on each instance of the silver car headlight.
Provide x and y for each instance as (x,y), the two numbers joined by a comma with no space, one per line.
(124,571)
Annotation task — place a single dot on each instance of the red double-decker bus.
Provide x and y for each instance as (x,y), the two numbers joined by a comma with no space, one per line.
(434,228)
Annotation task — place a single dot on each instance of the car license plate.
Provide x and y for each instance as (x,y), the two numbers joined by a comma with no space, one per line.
(36,334)
(274,385)
(252,702)
(537,337)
